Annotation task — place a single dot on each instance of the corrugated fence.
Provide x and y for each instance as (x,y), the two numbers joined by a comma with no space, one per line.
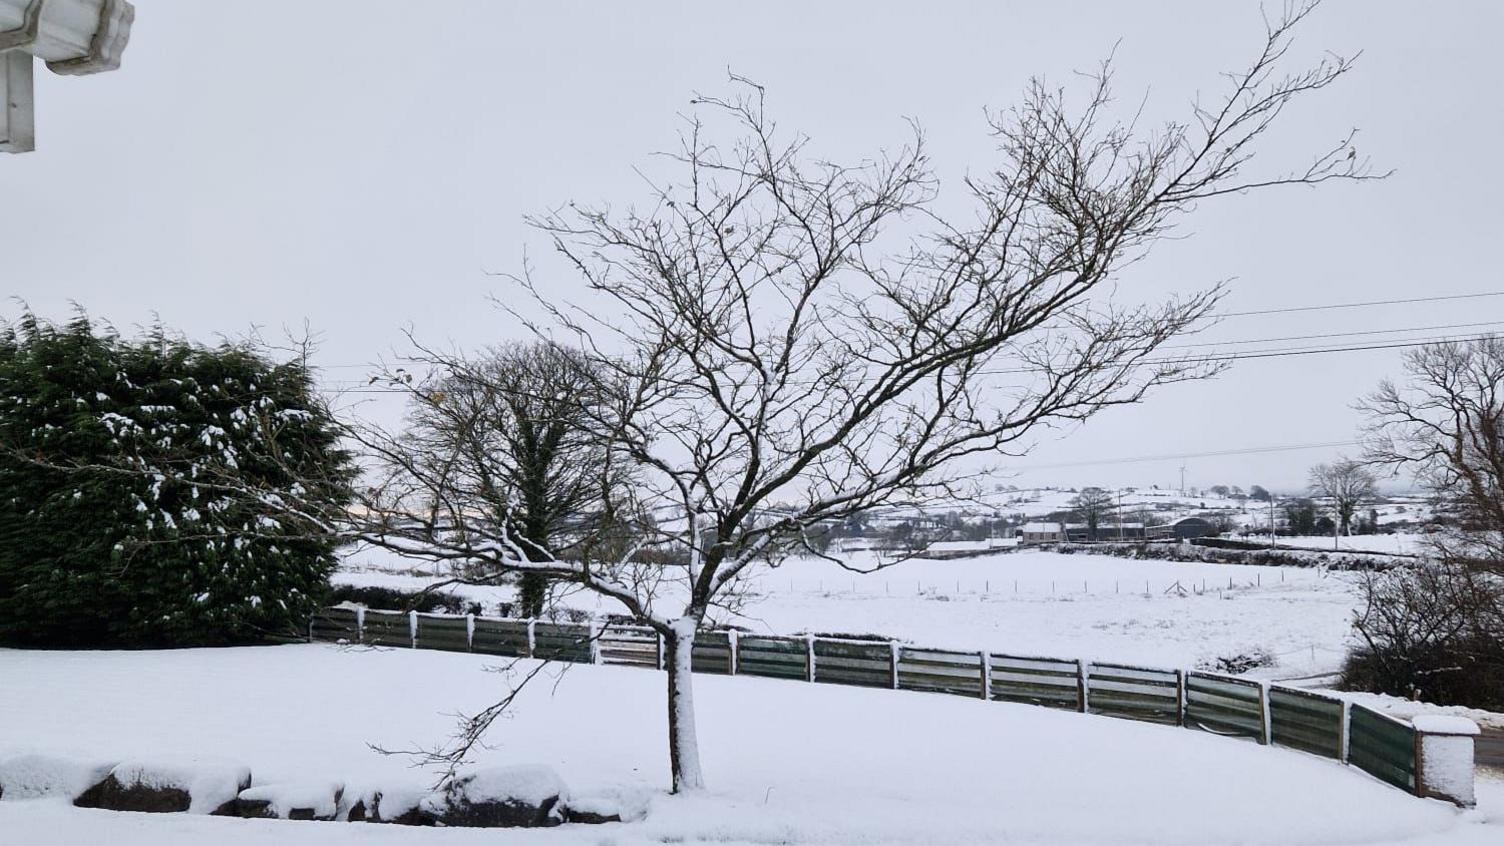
(1319,725)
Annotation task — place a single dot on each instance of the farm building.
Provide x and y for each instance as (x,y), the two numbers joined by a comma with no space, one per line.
(1193,527)
(1041,533)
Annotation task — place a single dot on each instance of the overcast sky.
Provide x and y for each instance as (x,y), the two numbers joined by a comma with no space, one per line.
(361,165)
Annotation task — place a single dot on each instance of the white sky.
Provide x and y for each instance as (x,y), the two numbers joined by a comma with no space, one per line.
(361,165)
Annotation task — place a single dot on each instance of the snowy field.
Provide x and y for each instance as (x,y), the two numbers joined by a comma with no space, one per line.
(1400,543)
(1161,613)
(787,762)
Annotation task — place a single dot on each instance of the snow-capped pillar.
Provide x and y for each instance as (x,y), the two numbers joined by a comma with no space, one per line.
(532,640)
(986,674)
(894,648)
(1444,758)
(731,644)
(360,623)
(595,643)
(809,657)
(412,627)
(470,632)
(1082,669)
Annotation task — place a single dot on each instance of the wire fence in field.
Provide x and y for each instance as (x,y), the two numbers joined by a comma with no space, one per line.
(1031,588)
(1231,706)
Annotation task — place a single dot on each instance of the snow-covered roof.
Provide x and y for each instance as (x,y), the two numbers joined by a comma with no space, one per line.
(1036,528)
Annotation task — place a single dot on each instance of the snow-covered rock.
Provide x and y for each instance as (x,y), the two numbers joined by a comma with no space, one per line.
(310,800)
(38,776)
(198,787)
(500,797)
(620,804)
(386,803)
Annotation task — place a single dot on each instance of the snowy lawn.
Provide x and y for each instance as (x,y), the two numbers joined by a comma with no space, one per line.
(787,762)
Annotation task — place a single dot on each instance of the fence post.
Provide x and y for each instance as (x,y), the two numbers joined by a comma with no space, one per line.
(731,644)
(412,627)
(531,640)
(809,657)
(1266,735)
(893,648)
(595,643)
(1346,730)
(360,624)
(1444,758)
(1081,690)
(659,637)
(470,632)
(986,674)
(1180,698)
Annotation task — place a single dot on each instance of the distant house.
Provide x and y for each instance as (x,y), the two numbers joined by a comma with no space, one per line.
(1041,533)
(1193,527)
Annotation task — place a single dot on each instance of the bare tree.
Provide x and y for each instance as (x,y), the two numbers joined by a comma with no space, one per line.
(506,434)
(776,353)
(1446,427)
(1437,627)
(1090,505)
(1346,485)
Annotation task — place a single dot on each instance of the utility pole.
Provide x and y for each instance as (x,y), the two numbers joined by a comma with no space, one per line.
(1182,480)
(1120,514)
(1271,521)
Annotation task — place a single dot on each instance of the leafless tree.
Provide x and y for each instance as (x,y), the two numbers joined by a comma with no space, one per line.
(504,433)
(1446,427)
(1437,628)
(1346,485)
(776,352)
(1090,505)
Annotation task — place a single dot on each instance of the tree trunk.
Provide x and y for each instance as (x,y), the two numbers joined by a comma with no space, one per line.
(683,742)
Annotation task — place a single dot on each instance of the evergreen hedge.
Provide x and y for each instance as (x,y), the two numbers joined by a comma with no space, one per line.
(156,492)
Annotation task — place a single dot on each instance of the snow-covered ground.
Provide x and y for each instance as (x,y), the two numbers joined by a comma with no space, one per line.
(1402,543)
(787,762)
(1161,613)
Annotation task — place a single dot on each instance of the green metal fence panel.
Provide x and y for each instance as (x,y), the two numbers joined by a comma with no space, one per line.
(1223,705)
(496,636)
(444,631)
(335,625)
(1134,693)
(773,657)
(388,628)
(1035,681)
(865,664)
(562,642)
(711,653)
(635,646)
(939,671)
(1306,721)
(1381,746)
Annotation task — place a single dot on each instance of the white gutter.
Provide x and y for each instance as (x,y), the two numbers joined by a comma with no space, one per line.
(74,37)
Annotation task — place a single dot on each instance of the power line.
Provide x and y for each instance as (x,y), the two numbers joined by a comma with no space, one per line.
(1283,310)
(1398,331)
(1259,450)
(1206,359)
(1364,304)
